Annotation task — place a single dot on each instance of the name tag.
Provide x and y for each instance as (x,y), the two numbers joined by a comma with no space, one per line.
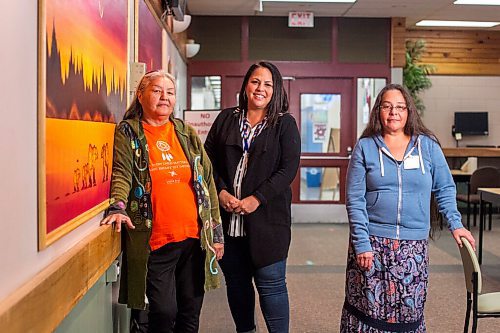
(412,162)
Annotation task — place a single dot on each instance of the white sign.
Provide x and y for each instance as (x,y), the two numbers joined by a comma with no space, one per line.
(301,19)
(201,121)
(319,132)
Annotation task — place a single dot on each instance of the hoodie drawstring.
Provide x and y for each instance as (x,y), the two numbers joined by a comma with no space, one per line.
(420,156)
(381,159)
(381,150)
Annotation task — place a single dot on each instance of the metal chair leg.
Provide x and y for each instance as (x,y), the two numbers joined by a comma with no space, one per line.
(490,211)
(467,314)
(468,214)
(474,299)
(474,211)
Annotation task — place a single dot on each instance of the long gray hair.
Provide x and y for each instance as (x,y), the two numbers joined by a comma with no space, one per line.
(135,108)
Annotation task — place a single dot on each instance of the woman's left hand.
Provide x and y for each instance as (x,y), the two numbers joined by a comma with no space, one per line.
(219,250)
(248,205)
(462,232)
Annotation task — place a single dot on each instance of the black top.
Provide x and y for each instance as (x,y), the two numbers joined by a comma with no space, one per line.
(272,165)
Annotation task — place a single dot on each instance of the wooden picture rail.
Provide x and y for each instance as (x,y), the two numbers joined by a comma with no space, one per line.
(42,303)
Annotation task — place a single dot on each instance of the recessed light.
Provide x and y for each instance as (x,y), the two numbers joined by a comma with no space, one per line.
(478,2)
(467,24)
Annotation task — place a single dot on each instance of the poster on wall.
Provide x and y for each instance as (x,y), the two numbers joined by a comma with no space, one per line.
(149,37)
(82,94)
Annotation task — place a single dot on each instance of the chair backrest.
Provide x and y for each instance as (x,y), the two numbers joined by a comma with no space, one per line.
(484,177)
(471,265)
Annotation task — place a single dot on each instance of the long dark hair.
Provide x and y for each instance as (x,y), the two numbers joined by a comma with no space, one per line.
(414,124)
(279,100)
(135,108)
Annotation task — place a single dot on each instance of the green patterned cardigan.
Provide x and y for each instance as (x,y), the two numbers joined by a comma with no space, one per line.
(131,195)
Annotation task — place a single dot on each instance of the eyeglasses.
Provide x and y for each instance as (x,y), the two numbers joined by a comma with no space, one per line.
(389,107)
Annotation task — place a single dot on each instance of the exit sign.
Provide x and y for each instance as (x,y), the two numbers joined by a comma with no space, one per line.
(301,19)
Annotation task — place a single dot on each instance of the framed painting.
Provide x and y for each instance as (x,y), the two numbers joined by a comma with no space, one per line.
(149,37)
(82,85)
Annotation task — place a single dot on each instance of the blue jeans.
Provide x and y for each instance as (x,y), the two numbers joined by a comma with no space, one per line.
(270,282)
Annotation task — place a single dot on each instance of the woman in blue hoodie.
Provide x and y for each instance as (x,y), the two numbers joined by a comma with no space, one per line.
(395,166)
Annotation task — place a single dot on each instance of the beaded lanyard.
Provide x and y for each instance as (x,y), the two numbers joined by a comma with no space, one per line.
(246,131)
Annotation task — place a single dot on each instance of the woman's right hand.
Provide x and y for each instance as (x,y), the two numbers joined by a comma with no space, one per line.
(228,201)
(118,219)
(365,260)
(219,250)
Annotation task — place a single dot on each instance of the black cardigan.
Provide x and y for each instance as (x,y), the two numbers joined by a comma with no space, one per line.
(272,165)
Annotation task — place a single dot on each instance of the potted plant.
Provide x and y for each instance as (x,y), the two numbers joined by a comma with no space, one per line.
(415,74)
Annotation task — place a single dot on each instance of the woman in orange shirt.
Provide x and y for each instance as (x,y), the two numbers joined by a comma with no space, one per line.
(163,190)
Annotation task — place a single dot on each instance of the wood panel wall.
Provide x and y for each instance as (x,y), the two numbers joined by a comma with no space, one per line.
(465,52)
(398,40)
(42,303)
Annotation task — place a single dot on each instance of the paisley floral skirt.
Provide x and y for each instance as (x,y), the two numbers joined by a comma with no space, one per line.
(390,297)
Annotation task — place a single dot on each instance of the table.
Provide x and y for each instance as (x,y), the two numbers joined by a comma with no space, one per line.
(491,195)
(471,152)
(460,176)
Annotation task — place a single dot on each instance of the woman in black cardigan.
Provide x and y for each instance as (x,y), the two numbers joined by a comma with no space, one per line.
(255,152)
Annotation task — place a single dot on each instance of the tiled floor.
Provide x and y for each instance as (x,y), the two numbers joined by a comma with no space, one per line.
(316,269)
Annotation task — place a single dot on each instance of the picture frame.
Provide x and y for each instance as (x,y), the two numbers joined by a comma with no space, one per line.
(82,93)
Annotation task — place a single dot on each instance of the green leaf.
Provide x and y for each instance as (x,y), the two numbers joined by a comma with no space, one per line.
(415,75)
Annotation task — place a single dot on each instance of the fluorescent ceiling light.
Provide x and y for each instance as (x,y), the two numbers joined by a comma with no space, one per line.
(317,1)
(468,24)
(478,2)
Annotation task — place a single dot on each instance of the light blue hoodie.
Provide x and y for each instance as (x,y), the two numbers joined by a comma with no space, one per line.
(392,200)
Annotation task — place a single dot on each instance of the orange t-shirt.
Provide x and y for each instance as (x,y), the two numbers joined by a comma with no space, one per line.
(175,216)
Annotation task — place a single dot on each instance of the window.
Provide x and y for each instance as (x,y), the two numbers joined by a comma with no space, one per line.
(205,92)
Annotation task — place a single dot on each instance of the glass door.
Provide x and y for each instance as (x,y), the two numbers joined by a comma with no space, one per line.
(327,123)
(231,90)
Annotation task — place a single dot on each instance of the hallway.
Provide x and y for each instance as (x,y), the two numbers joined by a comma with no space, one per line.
(316,270)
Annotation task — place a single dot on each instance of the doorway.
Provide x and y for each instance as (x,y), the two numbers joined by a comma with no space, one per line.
(327,122)
(323,109)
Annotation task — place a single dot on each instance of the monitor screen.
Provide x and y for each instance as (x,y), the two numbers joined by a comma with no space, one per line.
(471,123)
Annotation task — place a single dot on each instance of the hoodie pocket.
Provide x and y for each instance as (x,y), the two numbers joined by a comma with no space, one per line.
(371,199)
(415,211)
(382,207)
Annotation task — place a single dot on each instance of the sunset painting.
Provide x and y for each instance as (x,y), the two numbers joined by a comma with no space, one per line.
(83,51)
(149,39)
